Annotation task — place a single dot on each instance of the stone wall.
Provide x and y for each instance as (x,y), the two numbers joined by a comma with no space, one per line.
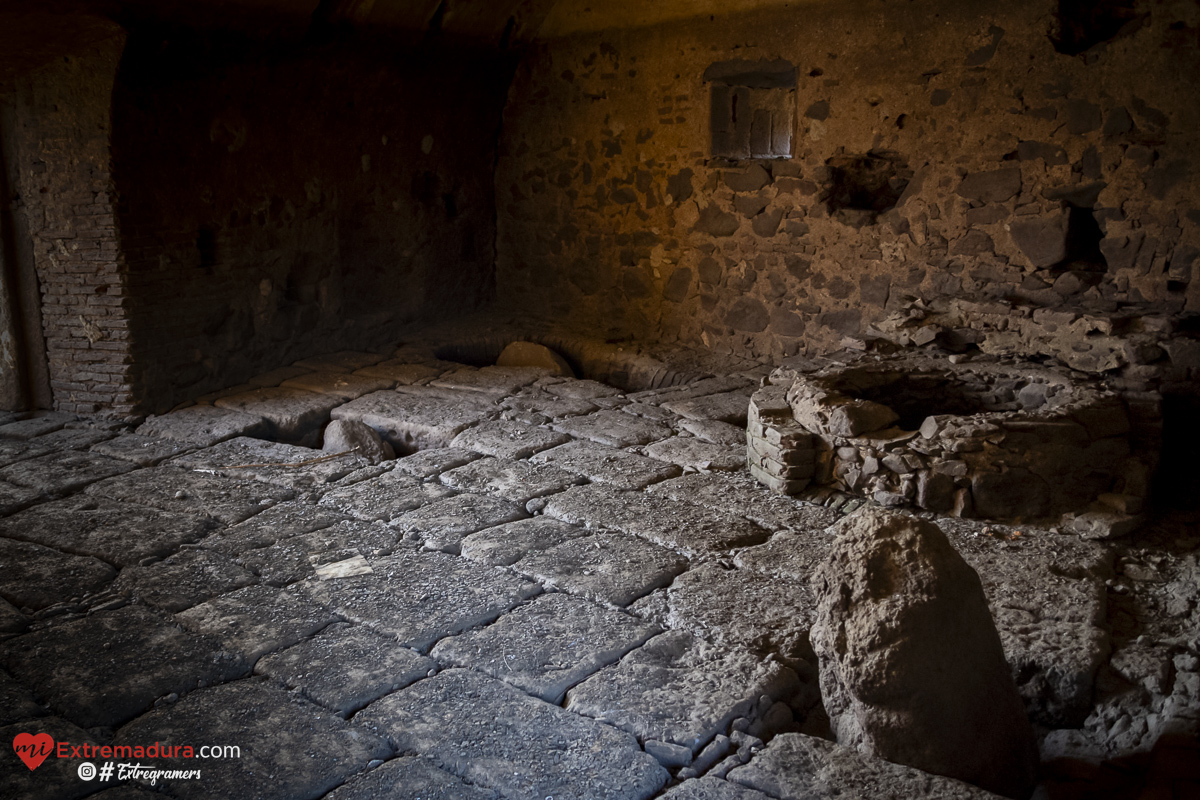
(280,200)
(1015,180)
(56,136)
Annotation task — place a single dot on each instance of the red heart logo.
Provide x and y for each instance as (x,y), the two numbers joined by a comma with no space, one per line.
(33,749)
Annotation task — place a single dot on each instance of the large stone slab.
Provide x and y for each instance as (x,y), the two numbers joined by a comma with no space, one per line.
(714,431)
(294,414)
(728,407)
(419,598)
(491,380)
(340,385)
(342,361)
(613,428)
(182,580)
(535,401)
(415,419)
(429,463)
(581,389)
(14,498)
(798,767)
(281,464)
(505,439)
(55,778)
(14,450)
(787,555)
(256,620)
(144,451)
(504,545)
(746,497)
(602,464)
(409,776)
(683,527)
(548,645)
(295,558)
(608,568)
(737,609)
(61,473)
(692,453)
(34,577)
(171,489)
(346,667)
(36,424)
(122,534)
(290,749)
(73,438)
(496,736)
(275,524)
(518,481)
(442,524)
(203,426)
(385,498)
(110,666)
(679,690)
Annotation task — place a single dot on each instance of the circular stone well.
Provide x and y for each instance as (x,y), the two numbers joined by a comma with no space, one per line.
(983,439)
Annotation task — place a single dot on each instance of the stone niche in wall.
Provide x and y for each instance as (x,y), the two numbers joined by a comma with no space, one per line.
(753,111)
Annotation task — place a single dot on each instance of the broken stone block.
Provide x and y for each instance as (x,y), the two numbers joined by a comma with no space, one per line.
(510,440)
(506,544)
(339,385)
(419,598)
(60,473)
(270,462)
(601,464)
(144,451)
(344,361)
(295,415)
(34,577)
(385,498)
(582,390)
(56,778)
(799,766)
(547,646)
(683,527)
(256,620)
(429,463)
(912,669)
(119,533)
(518,481)
(791,554)
(691,453)
(994,186)
(491,380)
(532,401)
(496,736)
(415,419)
(1042,239)
(108,667)
(348,436)
(295,558)
(311,751)
(182,580)
(715,431)
(746,497)
(273,525)
(203,426)
(608,568)
(346,667)
(613,428)
(442,524)
(170,489)
(528,354)
(679,690)
(409,776)
(728,407)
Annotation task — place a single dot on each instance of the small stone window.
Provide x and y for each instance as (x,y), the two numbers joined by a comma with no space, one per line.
(753,108)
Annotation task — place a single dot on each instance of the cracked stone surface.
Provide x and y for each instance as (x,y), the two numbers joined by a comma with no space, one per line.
(728,407)
(787,554)
(228,500)
(602,464)
(548,645)
(745,496)
(428,463)
(496,736)
(519,481)
(182,580)
(581,390)
(293,559)
(550,406)
(38,424)
(14,498)
(256,620)
(121,534)
(715,431)
(282,464)
(94,671)
(341,385)
(442,524)
(686,528)
(504,545)
(386,498)
(418,598)
(491,380)
(680,690)
(607,568)
(34,577)
(419,417)
(613,428)
(346,667)
(691,453)
(273,525)
(144,451)
(63,473)
(311,751)
(798,767)
(506,439)
(203,426)
(410,776)
(293,413)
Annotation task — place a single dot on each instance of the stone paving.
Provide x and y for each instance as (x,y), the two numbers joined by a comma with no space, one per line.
(558,590)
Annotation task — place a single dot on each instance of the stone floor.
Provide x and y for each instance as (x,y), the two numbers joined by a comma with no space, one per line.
(566,591)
